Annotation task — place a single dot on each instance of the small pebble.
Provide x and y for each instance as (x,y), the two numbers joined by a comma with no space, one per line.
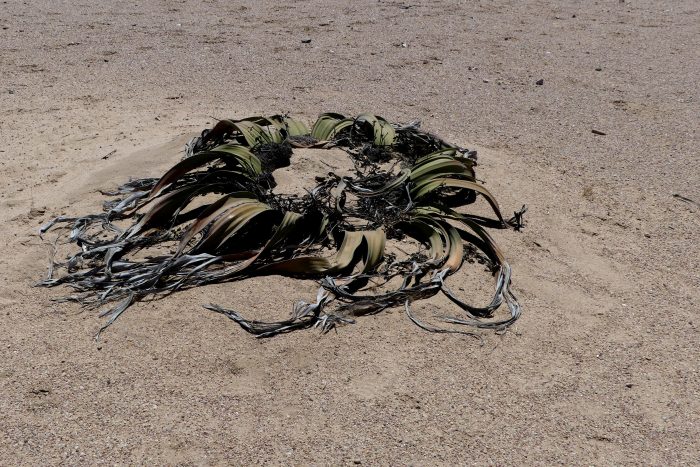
(35,212)
(539,82)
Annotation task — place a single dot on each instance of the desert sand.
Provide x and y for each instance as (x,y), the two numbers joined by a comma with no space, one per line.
(601,369)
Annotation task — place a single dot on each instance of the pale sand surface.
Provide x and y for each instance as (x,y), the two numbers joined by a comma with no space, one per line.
(601,369)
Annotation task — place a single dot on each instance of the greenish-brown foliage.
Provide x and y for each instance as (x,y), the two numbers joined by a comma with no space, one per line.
(214,217)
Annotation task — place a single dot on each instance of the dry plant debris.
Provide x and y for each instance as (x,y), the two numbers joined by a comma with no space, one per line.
(215,217)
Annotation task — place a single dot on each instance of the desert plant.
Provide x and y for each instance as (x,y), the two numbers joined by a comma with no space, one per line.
(214,217)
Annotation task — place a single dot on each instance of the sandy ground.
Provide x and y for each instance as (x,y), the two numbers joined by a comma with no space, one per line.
(601,369)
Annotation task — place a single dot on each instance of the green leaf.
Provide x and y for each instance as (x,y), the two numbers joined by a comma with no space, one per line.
(422,229)
(164,208)
(229,153)
(329,125)
(253,131)
(440,166)
(256,135)
(296,127)
(346,253)
(455,254)
(230,223)
(382,131)
(425,187)
(375,241)
(211,213)
(242,155)
(450,153)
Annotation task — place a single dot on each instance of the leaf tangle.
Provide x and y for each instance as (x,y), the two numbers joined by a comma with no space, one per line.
(215,217)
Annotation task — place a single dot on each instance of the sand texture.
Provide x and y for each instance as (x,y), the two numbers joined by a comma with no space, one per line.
(602,368)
